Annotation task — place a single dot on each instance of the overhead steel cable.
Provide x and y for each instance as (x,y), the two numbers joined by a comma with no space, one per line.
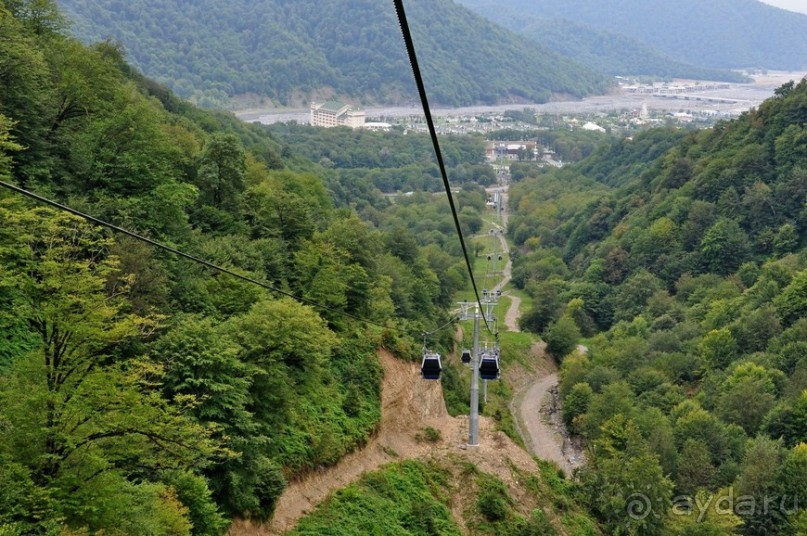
(410,48)
(441,328)
(210,265)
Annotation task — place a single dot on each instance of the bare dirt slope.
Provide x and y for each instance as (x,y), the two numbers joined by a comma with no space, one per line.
(409,405)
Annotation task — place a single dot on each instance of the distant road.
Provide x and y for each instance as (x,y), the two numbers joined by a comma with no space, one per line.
(737,99)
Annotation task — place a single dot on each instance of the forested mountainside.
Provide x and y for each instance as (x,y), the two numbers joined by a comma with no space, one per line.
(294,51)
(141,393)
(682,257)
(725,34)
(608,52)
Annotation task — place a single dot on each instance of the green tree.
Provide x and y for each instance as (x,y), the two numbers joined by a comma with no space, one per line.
(791,304)
(793,485)
(695,469)
(546,307)
(25,99)
(724,246)
(42,17)
(576,403)
(788,420)
(561,337)
(786,239)
(91,429)
(623,481)
(631,298)
(758,479)
(7,146)
(718,348)
(746,397)
(221,172)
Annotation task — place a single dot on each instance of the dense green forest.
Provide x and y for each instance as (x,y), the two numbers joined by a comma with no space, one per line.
(679,260)
(392,162)
(604,51)
(727,34)
(290,52)
(141,393)
(614,54)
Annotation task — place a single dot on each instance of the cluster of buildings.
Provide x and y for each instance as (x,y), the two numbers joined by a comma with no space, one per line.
(674,89)
(338,114)
(527,150)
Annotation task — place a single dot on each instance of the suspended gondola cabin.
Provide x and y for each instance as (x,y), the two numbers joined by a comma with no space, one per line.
(466,356)
(489,366)
(431,367)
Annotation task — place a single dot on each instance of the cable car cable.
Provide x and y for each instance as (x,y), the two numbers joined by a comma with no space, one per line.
(444,326)
(424,100)
(210,265)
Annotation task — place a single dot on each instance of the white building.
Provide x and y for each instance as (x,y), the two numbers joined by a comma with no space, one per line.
(378,126)
(593,127)
(336,114)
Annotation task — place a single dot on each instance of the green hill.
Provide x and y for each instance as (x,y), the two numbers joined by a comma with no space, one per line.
(682,259)
(725,34)
(615,54)
(141,393)
(293,51)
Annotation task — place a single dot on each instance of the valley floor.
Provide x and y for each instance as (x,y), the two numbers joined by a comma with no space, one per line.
(409,405)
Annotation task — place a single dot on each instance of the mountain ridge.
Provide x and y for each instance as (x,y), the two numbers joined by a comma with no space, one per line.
(300,50)
(720,34)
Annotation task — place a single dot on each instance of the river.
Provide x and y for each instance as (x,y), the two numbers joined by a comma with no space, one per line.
(735,99)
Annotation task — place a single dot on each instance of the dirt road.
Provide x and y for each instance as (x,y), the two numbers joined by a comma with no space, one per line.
(513,312)
(546,436)
(536,405)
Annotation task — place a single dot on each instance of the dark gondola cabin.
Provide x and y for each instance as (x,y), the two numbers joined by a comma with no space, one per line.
(431,367)
(466,356)
(489,366)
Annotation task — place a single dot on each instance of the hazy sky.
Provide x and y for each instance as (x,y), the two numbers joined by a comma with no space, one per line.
(792,5)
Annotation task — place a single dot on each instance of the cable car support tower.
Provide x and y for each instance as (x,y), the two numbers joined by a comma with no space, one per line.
(490,370)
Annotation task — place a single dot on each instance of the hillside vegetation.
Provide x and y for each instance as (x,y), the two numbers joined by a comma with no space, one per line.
(728,34)
(421,498)
(140,392)
(290,52)
(615,54)
(604,51)
(681,260)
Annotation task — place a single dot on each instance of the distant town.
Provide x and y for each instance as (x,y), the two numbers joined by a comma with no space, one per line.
(633,104)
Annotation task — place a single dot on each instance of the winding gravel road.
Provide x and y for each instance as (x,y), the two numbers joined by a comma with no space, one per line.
(536,405)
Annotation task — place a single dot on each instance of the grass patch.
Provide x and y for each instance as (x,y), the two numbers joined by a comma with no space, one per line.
(580,525)
(429,435)
(497,512)
(482,267)
(456,383)
(403,498)
(516,348)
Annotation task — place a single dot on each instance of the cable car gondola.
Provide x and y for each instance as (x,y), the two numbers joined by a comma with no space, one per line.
(431,367)
(489,366)
(466,356)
